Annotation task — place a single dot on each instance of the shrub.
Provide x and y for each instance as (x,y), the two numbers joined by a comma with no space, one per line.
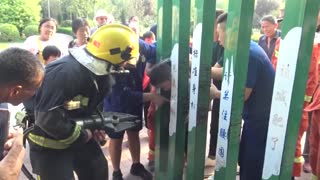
(66,23)
(255,35)
(90,22)
(30,30)
(8,32)
(65,30)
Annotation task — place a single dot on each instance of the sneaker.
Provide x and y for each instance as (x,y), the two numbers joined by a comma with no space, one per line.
(117,175)
(210,162)
(151,166)
(306,167)
(137,169)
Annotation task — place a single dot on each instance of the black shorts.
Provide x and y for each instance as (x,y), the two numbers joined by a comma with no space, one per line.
(119,135)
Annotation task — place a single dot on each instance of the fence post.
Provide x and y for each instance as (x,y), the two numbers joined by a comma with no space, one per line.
(288,95)
(199,87)
(179,86)
(236,57)
(163,51)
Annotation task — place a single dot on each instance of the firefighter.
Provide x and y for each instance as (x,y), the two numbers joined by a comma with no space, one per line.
(312,83)
(58,146)
(314,108)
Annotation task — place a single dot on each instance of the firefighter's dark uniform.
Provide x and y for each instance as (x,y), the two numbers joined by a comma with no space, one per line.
(57,144)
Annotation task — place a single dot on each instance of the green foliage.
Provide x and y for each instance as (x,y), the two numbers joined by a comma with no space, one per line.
(255,35)
(146,24)
(30,30)
(8,32)
(222,4)
(91,23)
(34,6)
(4,45)
(77,8)
(66,23)
(121,10)
(65,30)
(55,9)
(264,7)
(19,13)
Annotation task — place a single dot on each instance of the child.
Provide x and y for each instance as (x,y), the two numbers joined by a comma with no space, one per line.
(160,77)
(50,53)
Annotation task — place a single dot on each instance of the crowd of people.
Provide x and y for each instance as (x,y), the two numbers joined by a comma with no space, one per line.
(111,67)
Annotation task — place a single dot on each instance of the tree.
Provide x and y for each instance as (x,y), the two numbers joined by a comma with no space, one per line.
(120,9)
(264,7)
(222,4)
(19,12)
(55,9)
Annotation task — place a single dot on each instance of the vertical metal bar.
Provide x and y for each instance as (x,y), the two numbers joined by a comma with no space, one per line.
(164,41)
(179,86)
(199,87)
(239,25)
(292,70)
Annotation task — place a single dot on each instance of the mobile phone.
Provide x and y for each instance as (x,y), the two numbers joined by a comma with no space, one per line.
(4,127)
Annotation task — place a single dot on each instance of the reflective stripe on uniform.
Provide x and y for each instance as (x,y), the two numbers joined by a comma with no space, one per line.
(298,159)
(46,142)
(84,101)
(55,144)
(276,54)
(307,98)
(73,137)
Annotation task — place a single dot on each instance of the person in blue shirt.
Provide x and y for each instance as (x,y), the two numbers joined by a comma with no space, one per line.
(258,95)
(128,97)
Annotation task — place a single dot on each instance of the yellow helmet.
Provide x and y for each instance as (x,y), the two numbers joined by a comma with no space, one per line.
(114,43)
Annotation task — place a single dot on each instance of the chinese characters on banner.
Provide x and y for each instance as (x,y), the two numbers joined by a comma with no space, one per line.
(194,81)
(225,112)
(174,89)
(281,98)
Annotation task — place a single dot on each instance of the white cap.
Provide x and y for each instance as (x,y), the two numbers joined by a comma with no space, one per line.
(101,13)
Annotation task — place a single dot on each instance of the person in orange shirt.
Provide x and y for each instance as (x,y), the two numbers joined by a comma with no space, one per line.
(311,86)
(314,108)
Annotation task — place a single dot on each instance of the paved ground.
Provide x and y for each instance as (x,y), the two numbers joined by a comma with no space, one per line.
(126,158)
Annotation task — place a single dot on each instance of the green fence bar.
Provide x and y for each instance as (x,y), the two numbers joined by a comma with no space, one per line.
(239,25)
(199,87)
(179,86)
(288,95)
(163,51)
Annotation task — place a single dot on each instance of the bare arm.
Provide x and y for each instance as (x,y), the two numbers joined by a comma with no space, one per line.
(215,93)
(216,72)
(155,98)
(10,166)
(247,93)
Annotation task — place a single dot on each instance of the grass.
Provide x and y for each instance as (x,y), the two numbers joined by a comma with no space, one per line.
(4,45)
